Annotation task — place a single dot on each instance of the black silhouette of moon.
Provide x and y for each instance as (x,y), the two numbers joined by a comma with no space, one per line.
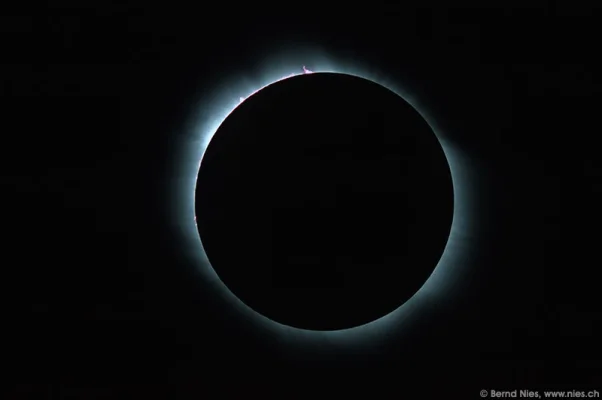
(324,201)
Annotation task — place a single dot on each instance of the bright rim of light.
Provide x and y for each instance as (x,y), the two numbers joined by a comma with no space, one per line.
(214,109)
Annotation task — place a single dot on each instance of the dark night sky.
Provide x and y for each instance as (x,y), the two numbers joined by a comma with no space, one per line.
(102,300)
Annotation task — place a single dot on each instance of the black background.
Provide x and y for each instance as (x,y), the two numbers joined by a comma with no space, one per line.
(100,301)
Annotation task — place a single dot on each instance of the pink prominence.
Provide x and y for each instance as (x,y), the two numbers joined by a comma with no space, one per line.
(305,71)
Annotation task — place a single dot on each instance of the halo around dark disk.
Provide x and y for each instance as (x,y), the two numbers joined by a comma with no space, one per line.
(324,201)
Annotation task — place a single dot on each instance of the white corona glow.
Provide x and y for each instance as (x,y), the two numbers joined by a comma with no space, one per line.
(214,109)
(305,71)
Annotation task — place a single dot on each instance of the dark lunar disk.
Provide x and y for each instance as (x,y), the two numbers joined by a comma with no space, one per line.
(324,201)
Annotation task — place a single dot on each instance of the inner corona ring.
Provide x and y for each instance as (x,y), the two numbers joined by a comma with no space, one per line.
(260,307)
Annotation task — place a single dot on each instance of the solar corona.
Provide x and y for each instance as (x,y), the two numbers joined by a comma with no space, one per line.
(214,108)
